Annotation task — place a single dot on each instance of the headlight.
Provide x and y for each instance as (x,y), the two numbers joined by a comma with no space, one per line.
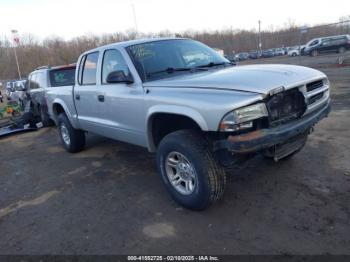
(242,118)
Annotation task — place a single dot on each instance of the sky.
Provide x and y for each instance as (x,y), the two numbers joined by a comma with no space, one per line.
(71,18)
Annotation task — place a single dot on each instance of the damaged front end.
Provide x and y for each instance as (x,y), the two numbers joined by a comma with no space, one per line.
(291,116)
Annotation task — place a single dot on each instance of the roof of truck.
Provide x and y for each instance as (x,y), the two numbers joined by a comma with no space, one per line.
(135,42)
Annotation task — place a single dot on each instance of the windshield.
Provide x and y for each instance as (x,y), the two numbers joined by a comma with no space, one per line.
(166,58)
(62,77)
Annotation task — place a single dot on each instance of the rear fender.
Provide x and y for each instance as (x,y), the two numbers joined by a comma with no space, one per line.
(53,114)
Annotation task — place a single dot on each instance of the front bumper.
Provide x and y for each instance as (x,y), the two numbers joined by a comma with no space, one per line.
(266,138)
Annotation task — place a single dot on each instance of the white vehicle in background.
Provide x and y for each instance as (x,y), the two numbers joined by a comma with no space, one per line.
(295,50)
(19,93)
(278,51)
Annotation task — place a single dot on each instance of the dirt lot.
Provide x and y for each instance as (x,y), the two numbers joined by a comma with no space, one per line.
(109,199)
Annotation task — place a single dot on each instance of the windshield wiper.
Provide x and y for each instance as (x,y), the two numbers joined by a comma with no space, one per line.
(211,64)
(171,70)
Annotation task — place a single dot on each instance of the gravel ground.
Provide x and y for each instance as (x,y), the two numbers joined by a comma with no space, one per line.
(108,199)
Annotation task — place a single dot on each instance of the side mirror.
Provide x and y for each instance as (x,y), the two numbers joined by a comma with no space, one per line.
(119,77)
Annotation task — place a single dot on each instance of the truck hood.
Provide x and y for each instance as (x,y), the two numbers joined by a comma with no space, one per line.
(250,78)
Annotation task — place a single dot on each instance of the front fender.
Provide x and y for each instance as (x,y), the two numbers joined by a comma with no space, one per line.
(172,109)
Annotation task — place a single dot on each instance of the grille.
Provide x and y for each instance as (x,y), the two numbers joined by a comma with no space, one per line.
(286,106)
(314,85)
(314,98)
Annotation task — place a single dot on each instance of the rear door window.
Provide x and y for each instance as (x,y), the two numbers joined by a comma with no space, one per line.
(89,69)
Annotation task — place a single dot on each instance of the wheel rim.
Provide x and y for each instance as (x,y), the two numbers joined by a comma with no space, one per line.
(181,173)
(65,134)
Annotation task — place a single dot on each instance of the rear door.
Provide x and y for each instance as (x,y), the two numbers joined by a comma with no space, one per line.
(86,93)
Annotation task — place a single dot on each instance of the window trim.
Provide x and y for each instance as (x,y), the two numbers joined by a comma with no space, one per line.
(103,58)
(82,72)
(82,61)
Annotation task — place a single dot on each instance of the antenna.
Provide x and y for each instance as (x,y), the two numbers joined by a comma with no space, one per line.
(135,20)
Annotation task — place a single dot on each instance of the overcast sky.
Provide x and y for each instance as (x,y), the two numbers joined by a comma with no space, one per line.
(70,18)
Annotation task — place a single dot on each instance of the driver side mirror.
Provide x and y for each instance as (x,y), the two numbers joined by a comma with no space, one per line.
(119,77)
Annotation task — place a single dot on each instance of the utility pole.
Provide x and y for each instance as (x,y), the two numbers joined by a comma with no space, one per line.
(260,45)
(16,41)
(135,20)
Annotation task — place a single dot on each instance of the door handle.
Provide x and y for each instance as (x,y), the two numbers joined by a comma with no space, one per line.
(101,98)
(77,97)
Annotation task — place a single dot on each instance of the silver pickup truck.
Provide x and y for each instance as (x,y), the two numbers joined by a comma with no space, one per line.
(200,113)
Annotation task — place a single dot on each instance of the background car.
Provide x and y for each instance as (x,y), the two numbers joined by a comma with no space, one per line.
(339,43)
(267,53)
(10,87)
(278,51)
(254,55)
(231,58)
(242,56)
(40,80)
(293,51)
(19,94)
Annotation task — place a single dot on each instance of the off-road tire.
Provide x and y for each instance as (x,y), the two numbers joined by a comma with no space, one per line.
(211,177)
(77,137)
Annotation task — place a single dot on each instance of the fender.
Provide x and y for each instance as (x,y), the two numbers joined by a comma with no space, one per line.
(176,110)
(72,118)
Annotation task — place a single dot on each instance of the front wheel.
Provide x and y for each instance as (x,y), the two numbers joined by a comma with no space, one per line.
(189,171)
(72,139)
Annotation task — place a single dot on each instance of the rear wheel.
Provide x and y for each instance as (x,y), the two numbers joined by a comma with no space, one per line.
(189,171)
(72,139)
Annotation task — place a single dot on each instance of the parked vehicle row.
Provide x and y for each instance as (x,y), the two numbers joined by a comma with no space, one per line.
(329,44)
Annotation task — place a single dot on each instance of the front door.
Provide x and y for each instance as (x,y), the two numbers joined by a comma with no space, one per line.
(121,106)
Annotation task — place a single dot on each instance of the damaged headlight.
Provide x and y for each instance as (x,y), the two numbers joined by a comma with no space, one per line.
(241,118)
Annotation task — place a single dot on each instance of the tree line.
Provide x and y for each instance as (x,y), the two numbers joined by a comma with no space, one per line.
(33,53)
